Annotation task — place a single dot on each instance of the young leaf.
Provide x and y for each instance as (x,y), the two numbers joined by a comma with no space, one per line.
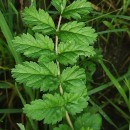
(59,5)
(62,127)
(70,51)
(53,108)
(88,120)
(33,47)
(73,79)
(37,76)
(40,21)
(76,9)
(77,32)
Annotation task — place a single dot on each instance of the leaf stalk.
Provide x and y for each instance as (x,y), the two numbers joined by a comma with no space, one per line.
(59,72)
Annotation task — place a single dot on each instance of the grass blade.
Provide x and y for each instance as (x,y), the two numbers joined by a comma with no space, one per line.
(115,83)
(114,31)
(108,119)
(8,35)
(10,111)
(105,86)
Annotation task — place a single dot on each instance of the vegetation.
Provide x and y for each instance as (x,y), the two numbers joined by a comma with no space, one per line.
(71,78)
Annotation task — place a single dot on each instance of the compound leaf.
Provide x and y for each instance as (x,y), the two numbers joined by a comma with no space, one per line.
(76,9)
(70,51)
(73,79)
(62,127)
(39,21)
(37,76)
(89,120)
(59,5)
(33,47)
(53,108)
(77,32)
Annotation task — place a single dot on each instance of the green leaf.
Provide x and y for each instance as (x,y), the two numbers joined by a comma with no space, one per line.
(73,79)
(47,57)
(5,85)
(89,120)
(39,21)
(33,47)
(62,127)
(76,9)
(53,108)
(37,76)
(70,51)
(76,102)
(86,128)
(90,68)
(21,126)
(77,32)
(59,5)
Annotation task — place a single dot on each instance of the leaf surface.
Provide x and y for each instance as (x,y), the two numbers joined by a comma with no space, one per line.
(77,32)
(39,21)
(62,127)
(89,120)
(33,47)
(37,76)
(53,108)
(76,9)
(73,79)
(21,126)
(86,128)
(70,51)
(59,5)
(47,57)
(76,102)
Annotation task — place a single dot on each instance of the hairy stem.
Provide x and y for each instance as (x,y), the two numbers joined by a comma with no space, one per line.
(59,72)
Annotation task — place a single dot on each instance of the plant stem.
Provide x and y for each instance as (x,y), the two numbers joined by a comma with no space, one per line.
(69,120)
(19,94)
(59,73)
(45,8)
(56,44)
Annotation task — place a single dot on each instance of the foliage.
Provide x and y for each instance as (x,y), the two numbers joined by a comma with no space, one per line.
(53,107)
(110,19)
(77,32)
(39,21)
(73,39)
(21,126)
(88,120)
(62,127)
